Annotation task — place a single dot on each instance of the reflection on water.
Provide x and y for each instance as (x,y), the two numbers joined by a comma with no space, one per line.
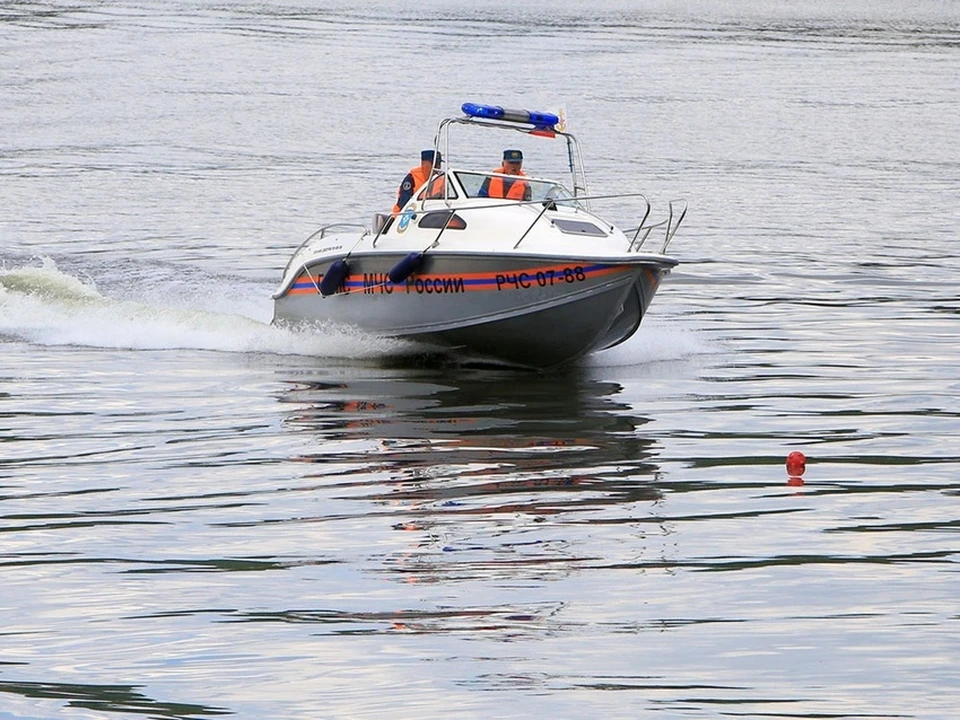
(475,470)
(110,699)
(521,425)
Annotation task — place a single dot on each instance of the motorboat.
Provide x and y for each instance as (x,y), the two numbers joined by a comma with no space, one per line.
(537,280)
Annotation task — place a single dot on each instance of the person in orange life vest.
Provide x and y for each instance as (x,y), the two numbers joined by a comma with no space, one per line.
(498,187)
(429,160)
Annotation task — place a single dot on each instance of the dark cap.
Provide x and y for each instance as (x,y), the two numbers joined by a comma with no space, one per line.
(427,156)
(512,156)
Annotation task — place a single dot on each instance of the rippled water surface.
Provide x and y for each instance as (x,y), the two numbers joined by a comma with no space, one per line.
(202,515)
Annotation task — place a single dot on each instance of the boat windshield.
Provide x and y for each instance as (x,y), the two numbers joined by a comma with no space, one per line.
(539,189)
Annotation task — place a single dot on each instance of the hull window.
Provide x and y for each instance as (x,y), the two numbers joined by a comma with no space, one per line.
(445,218)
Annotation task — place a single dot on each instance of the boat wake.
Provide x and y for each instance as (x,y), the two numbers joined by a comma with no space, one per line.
(44,305)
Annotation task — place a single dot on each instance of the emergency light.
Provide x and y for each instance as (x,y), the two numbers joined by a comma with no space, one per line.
(495,112)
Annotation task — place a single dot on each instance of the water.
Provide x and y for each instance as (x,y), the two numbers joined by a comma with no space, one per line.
(203,515)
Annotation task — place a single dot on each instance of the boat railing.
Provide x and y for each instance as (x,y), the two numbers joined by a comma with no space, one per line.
(677,211)
(318,234)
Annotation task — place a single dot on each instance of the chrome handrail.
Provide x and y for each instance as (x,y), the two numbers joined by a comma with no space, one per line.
(646,214)
(670,227)
(320,234)
(640,233)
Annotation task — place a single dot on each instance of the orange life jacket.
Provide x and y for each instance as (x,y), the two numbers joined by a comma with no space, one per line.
(414,179)
(516,190)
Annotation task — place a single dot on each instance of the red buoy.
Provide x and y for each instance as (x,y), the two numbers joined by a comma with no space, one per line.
(796,463)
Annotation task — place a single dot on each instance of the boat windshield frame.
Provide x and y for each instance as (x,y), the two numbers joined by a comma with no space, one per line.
(578,181)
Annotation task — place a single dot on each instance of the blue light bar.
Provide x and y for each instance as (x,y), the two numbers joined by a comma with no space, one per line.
(495,112)
(488,112)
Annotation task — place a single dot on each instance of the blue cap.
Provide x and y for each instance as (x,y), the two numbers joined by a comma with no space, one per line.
(427,156)
(513,156)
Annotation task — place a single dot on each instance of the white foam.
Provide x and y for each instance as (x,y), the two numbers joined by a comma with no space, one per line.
(654,342)
(46,306)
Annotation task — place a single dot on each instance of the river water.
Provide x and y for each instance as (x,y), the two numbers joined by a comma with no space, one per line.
(203,515)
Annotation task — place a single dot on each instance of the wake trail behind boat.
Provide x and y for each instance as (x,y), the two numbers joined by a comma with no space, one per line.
(47,306)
